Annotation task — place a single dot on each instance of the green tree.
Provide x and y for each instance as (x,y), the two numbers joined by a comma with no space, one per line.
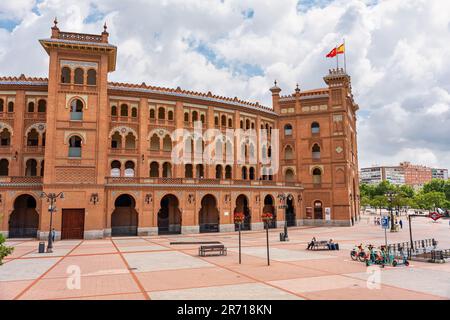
(4,250)
(379,202)
(431,200)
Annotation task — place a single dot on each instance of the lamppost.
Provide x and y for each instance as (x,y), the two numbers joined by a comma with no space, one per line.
(51,198)
(239,219)
(267,217)
(390,197)
(283,199)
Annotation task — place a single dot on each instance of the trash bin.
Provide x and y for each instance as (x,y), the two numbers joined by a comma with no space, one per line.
(41,247)
(281,236)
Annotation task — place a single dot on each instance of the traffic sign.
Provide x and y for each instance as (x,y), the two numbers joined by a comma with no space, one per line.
(385,222)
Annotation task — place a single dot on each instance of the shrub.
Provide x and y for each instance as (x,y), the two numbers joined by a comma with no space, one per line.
(4,250)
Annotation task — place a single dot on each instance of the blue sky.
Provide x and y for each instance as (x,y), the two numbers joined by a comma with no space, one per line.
(397,56)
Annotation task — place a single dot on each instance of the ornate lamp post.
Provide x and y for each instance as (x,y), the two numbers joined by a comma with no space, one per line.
(283,199)
(239,219)
(51,198)
(267,217)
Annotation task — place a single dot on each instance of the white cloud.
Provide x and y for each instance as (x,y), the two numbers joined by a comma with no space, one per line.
(397,56)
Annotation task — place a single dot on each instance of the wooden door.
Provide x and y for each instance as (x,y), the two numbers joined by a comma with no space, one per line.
(72,224)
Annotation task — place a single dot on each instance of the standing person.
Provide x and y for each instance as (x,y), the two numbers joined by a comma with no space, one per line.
(401,224)
(53,235)
(311,244)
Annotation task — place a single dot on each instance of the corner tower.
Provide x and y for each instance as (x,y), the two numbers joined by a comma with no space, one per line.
(75,157)
(318,148)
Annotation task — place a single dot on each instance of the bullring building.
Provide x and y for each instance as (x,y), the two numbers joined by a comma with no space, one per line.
(109,147)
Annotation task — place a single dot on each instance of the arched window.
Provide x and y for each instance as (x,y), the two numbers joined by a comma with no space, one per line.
(31,107)
(32,138)
(154,142)
(124,110)
(79,76)
(289,175)
(224,121)
(244,173)
(115,168)
(42,167)
(317,176)
(31,168)
(194,116)
(5,137)
(129,169)
(2,105)
(152,113)
(288,130)
(216,121)
(241,124)
(202,118)
(315,128)
(4,167)
(134,112)
(251,173)
(230,123)
(154,169)
(200,174)
(92,77)
(288,153)
(65,75)
(130,141)
(76,110)
(188,171)
(161,113)
(316,151)
(253,125)
(167,170)
(219,172)
(167,143)
(43,139)
(170,115)
(247,124)
(75,147)
(116,140)
(114,111)
(269,152)
(10,106)
(228,172)
(186,117)
(42,105)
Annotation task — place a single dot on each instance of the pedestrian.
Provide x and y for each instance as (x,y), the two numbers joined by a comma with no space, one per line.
(311,244)
(401,224)
(53,234)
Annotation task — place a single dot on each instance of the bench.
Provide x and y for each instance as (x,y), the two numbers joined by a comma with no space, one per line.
(320,245)
(218,249)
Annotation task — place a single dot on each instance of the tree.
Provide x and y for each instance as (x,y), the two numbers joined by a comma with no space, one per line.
(379,202)
(4,250)
(431,200)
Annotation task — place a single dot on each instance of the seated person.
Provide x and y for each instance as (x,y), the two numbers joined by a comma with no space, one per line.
(311,244)
(331,245)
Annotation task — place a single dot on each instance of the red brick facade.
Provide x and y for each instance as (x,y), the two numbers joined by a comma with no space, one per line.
(108,147)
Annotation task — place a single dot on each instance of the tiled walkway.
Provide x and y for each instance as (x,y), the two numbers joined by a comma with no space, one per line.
(152,268)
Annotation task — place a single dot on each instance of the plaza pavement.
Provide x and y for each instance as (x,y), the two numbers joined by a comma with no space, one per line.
(152,268)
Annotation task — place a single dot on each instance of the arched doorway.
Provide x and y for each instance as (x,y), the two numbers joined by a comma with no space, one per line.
(169,216)
(124,219)
(318,210)
(242,207)
(290,212)
(24,220)
(209,218)
(270,208)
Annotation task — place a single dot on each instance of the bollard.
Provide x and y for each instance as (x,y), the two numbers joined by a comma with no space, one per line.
(41,247)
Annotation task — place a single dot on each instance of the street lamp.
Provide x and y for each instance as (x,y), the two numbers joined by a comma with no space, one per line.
(283,199)
(390,197)
(239,219)
(51,198)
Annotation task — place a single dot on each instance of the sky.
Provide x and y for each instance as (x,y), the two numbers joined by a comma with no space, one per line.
(398,54)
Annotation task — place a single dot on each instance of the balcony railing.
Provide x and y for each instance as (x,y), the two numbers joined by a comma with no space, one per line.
(76,116)
(197,181)
(74,152)
(21,179)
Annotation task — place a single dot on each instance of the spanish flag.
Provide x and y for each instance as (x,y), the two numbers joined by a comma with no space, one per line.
(338,50)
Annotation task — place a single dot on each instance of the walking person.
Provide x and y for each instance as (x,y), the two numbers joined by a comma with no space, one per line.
(401,224)
(53,232)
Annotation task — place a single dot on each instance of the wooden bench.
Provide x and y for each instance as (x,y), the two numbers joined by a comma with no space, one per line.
(218,249)
(320,245)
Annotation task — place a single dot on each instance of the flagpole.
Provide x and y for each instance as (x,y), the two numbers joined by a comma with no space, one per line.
(345,57)
(337,60)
